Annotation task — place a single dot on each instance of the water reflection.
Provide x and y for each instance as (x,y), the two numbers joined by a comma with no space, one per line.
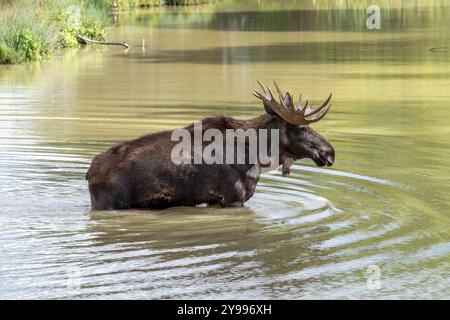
(288,16)
(387,51)
(310,235)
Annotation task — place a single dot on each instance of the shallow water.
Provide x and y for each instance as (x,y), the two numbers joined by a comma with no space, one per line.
(384,205)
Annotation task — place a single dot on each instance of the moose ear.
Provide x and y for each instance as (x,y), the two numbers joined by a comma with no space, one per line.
(288,100)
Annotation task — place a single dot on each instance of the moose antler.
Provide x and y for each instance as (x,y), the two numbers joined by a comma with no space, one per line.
(286,109)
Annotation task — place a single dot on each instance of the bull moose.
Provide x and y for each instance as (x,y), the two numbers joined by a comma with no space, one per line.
(140,174)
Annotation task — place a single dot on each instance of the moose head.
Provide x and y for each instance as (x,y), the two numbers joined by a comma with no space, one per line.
(297,139)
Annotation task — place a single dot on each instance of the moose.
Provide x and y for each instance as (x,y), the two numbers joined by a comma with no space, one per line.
(140,174)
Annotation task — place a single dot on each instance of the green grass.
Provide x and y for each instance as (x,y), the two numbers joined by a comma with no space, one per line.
(31,30)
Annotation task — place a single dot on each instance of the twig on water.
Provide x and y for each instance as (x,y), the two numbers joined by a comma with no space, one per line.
(85,40)
(437,49)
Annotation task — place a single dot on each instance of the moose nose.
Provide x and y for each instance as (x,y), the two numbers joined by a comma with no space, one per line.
(330,160)
(328,156)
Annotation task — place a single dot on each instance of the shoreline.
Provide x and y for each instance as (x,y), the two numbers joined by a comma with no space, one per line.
(33,30)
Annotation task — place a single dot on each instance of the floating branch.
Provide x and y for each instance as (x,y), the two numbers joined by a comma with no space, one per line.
(437,49)
(85,40)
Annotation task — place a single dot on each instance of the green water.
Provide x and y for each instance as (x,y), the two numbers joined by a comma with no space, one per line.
(384,204)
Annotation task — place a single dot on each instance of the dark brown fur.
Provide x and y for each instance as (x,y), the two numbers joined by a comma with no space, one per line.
(140,174)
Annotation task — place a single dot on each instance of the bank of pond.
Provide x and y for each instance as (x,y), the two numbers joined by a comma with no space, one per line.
(32,30)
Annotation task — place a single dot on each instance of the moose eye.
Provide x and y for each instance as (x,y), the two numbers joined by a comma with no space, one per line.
(301,129)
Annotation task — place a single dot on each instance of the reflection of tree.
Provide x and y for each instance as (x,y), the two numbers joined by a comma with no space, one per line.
(294,15)
(169,17)
(341,19)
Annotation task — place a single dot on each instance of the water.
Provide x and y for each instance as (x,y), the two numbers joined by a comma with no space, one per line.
(383,205)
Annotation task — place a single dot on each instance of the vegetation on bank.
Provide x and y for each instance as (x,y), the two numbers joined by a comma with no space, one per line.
(31,30)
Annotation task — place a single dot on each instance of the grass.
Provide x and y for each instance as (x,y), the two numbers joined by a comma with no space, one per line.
(31,30)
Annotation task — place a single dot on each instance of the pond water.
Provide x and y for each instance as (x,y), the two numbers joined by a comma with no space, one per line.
(381,210)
